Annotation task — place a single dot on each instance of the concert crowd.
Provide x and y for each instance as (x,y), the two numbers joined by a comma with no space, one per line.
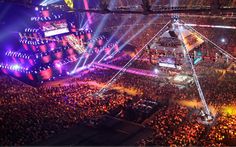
(31,114)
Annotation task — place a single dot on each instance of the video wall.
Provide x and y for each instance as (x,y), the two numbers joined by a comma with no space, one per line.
(167,62)
(51,28)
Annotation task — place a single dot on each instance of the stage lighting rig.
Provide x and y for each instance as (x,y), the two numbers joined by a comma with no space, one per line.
(175,18)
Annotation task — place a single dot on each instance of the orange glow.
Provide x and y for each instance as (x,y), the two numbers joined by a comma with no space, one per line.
(196,104)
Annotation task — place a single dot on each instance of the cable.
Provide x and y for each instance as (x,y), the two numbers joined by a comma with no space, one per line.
(124,68)
(206,109)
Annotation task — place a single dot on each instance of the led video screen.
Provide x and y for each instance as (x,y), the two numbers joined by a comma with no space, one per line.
(75,43)
(167,62)
(52,28)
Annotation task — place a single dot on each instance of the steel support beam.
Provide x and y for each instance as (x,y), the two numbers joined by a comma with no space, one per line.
(127,65)
(195,77)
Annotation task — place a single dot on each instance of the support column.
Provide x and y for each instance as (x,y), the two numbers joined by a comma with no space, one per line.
(201,95)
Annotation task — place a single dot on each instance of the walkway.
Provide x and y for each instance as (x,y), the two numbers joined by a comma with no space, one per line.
(130,70)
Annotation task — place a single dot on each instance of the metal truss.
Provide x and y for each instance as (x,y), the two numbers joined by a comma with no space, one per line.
(195,77)
(228,55)
(128,64)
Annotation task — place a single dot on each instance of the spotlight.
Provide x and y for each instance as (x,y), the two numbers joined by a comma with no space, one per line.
(223,40)
(58,65)
(156,71)
(15,67)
